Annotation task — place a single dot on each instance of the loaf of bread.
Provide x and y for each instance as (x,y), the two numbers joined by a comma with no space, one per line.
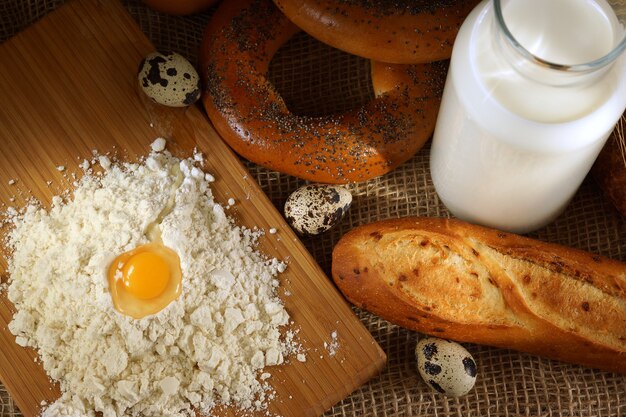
(472,284)
(609,169)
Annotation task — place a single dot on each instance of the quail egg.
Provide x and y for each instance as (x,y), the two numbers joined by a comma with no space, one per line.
(169,79)
(445,366)
(316,208)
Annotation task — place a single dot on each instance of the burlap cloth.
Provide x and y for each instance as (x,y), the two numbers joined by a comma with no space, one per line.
(316,79)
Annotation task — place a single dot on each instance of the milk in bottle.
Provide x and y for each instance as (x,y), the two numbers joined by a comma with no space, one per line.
(529,101)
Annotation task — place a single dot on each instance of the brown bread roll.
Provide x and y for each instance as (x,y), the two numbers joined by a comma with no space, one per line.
(609,169)
(179,7)
(468,283)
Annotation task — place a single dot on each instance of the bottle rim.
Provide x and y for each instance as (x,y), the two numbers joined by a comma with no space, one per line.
(575,68)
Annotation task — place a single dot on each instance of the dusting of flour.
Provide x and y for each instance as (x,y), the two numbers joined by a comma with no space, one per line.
(208,347)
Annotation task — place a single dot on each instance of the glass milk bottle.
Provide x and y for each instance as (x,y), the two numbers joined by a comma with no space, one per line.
(534,89)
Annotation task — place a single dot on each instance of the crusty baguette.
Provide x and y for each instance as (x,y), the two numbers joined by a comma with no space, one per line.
(469,283)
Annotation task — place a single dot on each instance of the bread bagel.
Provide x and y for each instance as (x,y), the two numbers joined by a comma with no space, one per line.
(609,169)
(179,7)
(248,112)
(468,283)
(400,32)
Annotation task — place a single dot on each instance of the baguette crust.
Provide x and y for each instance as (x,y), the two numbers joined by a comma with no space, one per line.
(459,281)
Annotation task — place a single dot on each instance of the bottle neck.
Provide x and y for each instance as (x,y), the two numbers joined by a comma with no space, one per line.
(546,71)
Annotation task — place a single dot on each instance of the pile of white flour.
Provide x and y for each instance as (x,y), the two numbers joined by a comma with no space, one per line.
(208,347)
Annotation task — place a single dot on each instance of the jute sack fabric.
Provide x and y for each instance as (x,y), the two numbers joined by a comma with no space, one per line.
(316,79)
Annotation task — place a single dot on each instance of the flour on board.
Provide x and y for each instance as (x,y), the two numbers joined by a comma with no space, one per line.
(211,346)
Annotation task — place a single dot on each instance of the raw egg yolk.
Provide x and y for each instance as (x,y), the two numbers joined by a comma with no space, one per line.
(146,275)
(145,280)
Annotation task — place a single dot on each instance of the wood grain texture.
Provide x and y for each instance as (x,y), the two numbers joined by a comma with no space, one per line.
(68,86)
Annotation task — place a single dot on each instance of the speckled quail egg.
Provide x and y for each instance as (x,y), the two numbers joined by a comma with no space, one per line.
(169,79)
(315,208)
(445,366)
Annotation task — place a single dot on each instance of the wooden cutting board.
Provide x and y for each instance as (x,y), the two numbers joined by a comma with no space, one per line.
(68,86)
